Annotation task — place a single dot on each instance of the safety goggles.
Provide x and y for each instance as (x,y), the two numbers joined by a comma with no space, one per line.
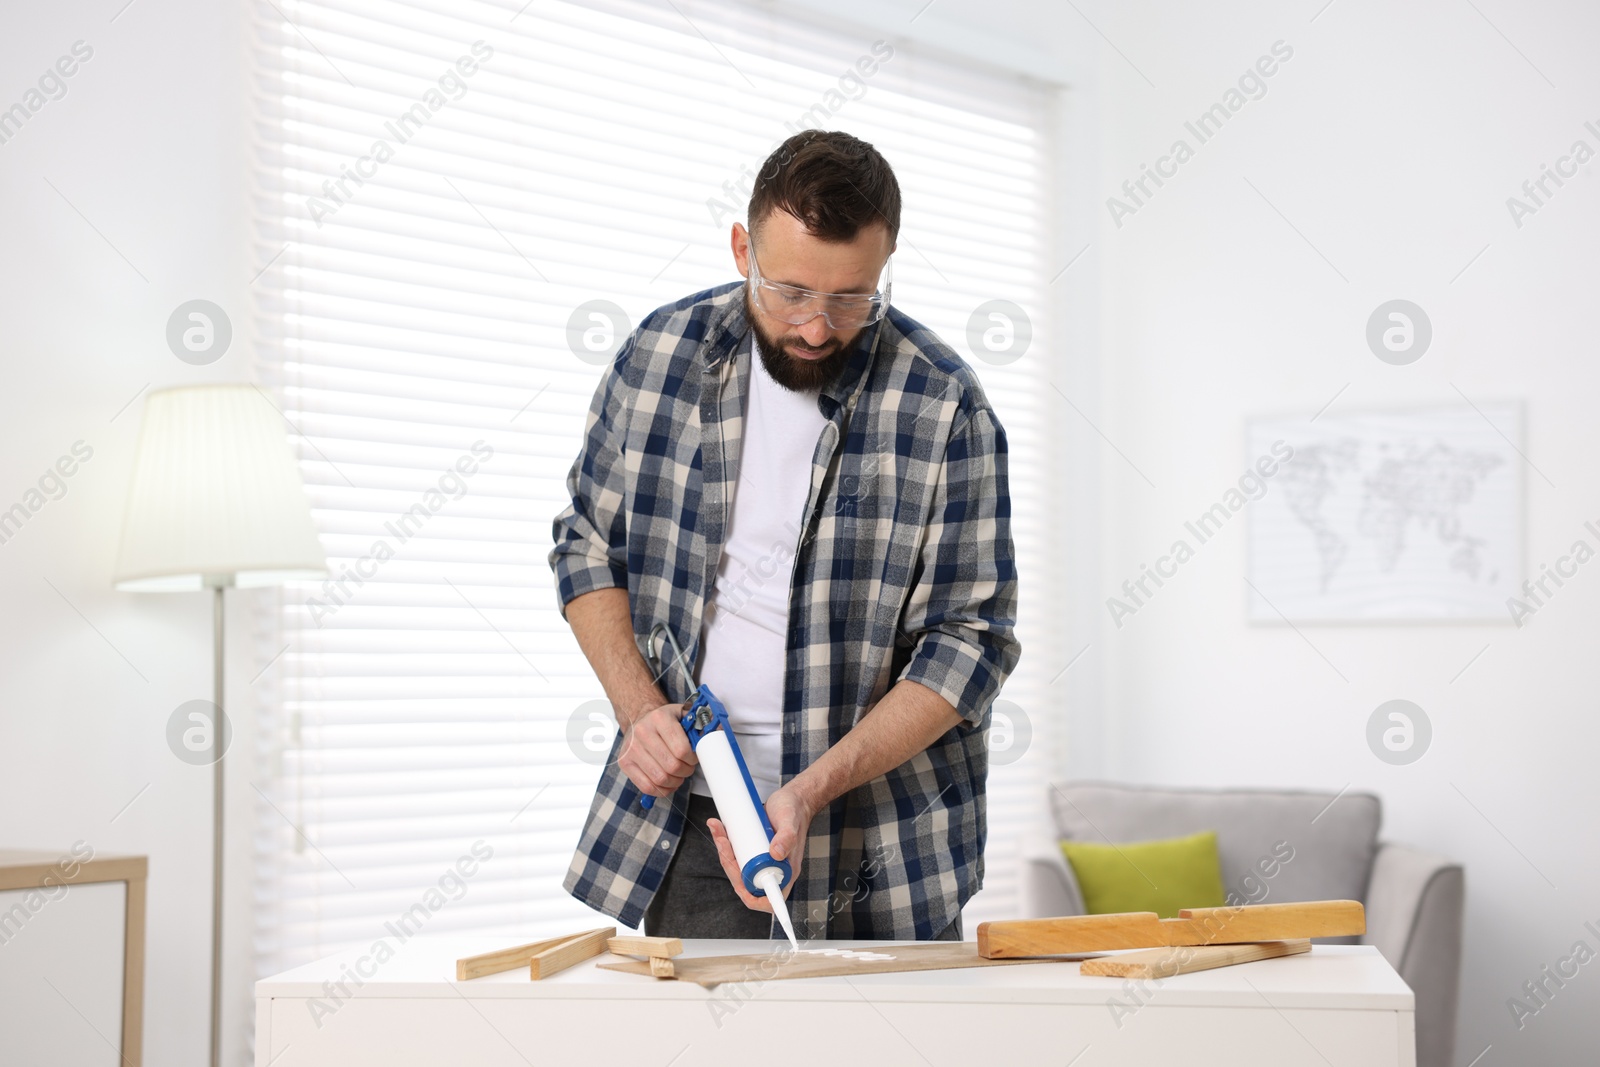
(797,306)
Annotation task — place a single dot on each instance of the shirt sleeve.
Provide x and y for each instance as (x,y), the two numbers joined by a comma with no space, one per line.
(591,533)
(962,609)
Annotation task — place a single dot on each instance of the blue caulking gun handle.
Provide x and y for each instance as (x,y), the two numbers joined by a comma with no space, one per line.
(704,700)
(691,708)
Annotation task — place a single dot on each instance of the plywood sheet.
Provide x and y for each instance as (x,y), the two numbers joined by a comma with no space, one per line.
(784,962)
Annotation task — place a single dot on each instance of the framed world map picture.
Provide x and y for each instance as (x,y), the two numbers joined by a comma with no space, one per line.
(1405,515)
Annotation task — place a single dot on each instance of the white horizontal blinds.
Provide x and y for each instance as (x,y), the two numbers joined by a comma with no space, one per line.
(419,277)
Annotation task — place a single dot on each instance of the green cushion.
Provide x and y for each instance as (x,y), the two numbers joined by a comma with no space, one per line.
(1158,876)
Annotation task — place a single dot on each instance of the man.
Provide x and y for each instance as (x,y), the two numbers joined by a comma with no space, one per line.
(808,488)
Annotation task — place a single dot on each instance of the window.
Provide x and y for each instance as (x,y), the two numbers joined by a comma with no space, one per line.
(439,188)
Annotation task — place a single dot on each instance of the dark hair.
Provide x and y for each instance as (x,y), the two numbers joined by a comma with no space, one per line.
(832,182)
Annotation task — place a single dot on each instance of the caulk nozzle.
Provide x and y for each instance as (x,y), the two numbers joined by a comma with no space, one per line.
(771,879)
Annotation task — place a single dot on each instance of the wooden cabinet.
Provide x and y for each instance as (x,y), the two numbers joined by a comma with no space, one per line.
(72,957)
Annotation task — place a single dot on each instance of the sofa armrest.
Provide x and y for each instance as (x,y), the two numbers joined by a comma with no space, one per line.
(1415,904)
(1048,886)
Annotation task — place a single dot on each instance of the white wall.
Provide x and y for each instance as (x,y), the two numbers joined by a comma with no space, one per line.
(1391,140)
(148,145)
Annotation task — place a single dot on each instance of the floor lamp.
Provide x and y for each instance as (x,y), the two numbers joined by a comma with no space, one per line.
(216,501)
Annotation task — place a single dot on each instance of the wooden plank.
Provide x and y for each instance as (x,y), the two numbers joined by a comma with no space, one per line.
(784,962)
(1266,922)
(661,967)
(572,950)
(1165,962)
(628,945)
(1196,926)
(1010,939)
(505,959)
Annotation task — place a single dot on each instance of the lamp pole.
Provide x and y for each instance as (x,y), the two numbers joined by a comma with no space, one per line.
(218,732)
(216,500)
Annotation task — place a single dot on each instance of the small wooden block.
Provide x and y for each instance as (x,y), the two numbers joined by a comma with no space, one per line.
(1156,963)
(507,959)
(564,954)
(654,947)
(661,967)
(1193,926)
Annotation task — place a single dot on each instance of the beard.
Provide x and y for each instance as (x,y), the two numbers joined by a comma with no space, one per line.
(792,372)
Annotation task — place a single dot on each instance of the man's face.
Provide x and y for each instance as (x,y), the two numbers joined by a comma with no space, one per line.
(811,354)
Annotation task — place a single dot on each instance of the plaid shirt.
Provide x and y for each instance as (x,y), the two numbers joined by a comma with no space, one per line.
(904,569)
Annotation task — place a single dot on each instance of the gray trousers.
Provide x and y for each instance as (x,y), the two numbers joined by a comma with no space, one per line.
(695,899)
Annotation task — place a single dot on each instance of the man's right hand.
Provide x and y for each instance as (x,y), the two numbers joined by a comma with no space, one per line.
(656,754)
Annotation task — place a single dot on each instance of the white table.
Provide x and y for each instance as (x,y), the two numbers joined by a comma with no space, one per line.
(1342,1006)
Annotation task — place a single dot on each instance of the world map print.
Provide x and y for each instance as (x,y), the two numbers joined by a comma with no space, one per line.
(1405,515)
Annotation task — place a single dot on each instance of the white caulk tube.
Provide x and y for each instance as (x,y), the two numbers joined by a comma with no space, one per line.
(738,806)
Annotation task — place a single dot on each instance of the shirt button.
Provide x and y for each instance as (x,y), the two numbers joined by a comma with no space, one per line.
(666,844)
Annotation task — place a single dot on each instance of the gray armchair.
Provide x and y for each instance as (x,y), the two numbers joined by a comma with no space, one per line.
(1316,846)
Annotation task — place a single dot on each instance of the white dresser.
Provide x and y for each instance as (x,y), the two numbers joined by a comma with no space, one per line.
(1337,1006)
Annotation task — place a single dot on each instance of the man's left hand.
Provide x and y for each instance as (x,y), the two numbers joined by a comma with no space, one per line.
(791,820)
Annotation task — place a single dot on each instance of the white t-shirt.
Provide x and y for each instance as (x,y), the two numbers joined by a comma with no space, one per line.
(746,632)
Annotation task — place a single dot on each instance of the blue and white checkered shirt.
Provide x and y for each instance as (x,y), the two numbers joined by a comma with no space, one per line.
(904,569)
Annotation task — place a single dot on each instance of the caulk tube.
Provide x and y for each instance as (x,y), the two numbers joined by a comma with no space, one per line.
(745,818)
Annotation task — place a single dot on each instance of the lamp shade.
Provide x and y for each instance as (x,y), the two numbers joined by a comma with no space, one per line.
(216,497)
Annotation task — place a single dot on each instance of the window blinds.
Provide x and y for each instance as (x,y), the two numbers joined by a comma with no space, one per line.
(440,190)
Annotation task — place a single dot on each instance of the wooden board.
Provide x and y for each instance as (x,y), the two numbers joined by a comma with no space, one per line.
(1152,963)
(629,945)
(1275,922)
(506,959)
(573,950)
(1193,926)
(1079,933)
(785,962)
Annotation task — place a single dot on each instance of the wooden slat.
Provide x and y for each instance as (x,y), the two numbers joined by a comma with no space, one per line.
(629,945)
(572,950)
(505,959)
(1165,962)
(1196,926)
(1267,922)
(1016,938)
(661,967)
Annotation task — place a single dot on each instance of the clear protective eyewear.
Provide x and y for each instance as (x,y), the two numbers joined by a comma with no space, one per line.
(797,306)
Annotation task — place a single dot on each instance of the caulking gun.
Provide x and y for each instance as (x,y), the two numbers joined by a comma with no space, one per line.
(739,806)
